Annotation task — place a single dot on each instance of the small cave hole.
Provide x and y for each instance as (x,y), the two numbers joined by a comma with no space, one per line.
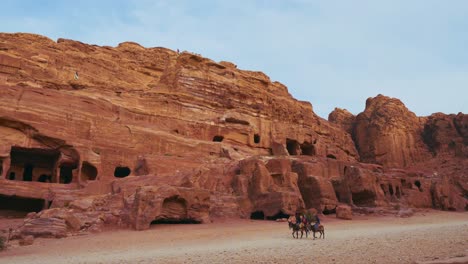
(329,211)
(88,172)
(308,149)
(256,138)
(390,189)
(330,156)
(121,172)
(257,215)
(418,184)
(45,178)
(293,147)
(12,176)
(279,215)
(66,174)
(218,138)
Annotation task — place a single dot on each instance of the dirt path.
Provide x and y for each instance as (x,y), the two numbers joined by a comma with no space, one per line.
(434,235)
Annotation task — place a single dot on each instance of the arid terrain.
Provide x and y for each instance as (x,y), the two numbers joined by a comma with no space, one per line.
(427,236)
(101,147)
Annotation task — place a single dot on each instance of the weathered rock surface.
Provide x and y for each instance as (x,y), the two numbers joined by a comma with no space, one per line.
(344,212)
(94,136)
(169,204)
(343,118)
(387,133)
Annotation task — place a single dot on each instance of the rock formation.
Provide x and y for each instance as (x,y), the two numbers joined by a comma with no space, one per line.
(129,136)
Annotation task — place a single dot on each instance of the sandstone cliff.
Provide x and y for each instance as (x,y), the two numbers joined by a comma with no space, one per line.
(129,136)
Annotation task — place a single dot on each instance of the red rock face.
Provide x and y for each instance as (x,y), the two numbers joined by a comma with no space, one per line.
(447,134)
(343,118)
(387,133)
(179,137)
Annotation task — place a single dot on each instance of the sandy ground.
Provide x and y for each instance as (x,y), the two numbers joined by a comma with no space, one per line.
(425,236)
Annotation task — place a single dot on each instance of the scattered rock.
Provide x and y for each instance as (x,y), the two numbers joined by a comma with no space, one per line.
(344,212)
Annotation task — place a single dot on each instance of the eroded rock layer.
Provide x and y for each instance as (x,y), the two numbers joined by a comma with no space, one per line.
(131,136)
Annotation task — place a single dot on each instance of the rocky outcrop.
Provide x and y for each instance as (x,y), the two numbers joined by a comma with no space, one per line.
(447,134)
(267,190)
(343,118)
(128,136)
(387,133)
(169,204)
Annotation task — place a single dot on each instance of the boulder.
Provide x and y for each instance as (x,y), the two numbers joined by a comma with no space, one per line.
(44,227)
(344,212)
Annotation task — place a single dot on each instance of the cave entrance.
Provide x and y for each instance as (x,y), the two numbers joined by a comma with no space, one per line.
(327,211)
(30,163)
(122,172)
(364,198)
(174,211)
(66,173)
(418,184)
(293,147)
(28,172)
(18,206)
(88,172)
(257,215)
(218,138)
(307,149)
(256,138)
(279,215)
(331,156)
(390,189)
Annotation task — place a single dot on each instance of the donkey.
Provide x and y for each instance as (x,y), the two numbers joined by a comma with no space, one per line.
(296,228)
(320,229)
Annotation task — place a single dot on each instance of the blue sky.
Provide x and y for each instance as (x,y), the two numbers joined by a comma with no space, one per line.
(331,53)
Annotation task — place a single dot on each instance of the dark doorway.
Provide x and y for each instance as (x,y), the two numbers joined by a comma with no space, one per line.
(390,189)
(218,138)
(293,147)
(88,172)
(121,172)
(45,178)
(66,174)
(418,184)
(257,215)
(28,172)
(20,204)
(12,176)
(256,138)
(279,215)
(329,211)
(308,149)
